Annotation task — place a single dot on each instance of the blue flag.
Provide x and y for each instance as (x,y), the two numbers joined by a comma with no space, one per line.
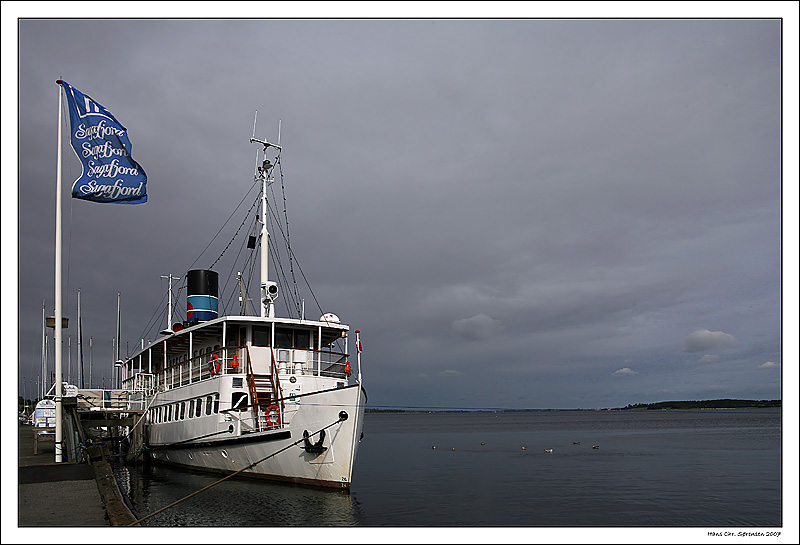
(101,143)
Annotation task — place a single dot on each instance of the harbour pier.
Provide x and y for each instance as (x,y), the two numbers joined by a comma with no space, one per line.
(82,490)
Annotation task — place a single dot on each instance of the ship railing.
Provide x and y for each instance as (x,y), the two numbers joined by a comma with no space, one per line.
(276,382)
(140,382)
(255,412)
(297,361)
(231,360)
(102,399)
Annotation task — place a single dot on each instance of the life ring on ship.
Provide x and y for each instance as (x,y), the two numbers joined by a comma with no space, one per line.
(273,419)
(214,364)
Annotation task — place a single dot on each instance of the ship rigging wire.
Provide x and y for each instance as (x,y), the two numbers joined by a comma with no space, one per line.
(288,282)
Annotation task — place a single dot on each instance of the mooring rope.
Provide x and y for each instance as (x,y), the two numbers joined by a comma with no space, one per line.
(342,418)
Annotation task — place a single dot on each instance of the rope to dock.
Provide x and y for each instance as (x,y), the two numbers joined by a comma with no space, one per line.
(144,413)
(338,420)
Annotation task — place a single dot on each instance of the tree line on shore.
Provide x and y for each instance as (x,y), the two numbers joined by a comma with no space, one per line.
(706,404)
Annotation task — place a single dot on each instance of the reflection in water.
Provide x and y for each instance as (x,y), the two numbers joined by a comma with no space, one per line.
(234,502)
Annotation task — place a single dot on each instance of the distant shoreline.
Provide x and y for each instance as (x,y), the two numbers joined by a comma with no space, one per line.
(659,406)
(707,404)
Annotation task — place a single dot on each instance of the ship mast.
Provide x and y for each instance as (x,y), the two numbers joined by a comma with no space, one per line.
(168,330)
(269,290)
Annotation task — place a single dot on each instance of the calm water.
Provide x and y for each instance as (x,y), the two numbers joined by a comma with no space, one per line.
(654,468)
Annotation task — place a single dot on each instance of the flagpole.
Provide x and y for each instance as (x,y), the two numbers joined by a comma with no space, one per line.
(57,326)
(358,353)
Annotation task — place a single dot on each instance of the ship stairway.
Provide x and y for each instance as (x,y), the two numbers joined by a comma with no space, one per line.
(264,396)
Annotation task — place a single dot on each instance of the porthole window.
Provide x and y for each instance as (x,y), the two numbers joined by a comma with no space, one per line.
(198,407)
(208,405)
(216,403)
(191,408)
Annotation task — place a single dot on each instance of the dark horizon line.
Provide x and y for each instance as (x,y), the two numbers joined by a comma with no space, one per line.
(630,406)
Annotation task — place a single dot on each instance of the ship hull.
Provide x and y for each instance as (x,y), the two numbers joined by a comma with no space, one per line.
(281,454)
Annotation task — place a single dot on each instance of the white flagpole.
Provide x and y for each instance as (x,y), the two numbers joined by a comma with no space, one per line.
(58,385)
(358,353)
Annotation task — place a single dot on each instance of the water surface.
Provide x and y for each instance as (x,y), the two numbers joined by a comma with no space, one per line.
(705,468)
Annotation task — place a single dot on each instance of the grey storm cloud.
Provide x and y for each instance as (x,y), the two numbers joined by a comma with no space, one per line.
(703,339)
(541,200)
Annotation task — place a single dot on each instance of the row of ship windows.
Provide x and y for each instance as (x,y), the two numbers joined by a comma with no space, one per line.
(192,408)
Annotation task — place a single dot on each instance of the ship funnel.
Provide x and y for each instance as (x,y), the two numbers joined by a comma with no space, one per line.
(202,295)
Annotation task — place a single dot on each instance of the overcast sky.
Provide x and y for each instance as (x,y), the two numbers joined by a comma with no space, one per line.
(515,213)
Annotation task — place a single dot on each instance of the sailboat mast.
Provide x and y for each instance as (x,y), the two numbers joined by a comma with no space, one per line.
(44,354)
(117,361)
(80,342)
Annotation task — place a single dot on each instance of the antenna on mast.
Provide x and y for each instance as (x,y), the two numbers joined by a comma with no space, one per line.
(255,168)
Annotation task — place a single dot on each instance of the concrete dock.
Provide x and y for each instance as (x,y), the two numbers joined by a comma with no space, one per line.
(65,494)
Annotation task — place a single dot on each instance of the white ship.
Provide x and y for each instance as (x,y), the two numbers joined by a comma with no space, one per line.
(271,397)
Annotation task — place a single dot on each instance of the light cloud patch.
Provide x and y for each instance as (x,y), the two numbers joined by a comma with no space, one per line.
(625,372)
(769,365)
(478,327)
(450,373)
(703,339)
(708,358)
